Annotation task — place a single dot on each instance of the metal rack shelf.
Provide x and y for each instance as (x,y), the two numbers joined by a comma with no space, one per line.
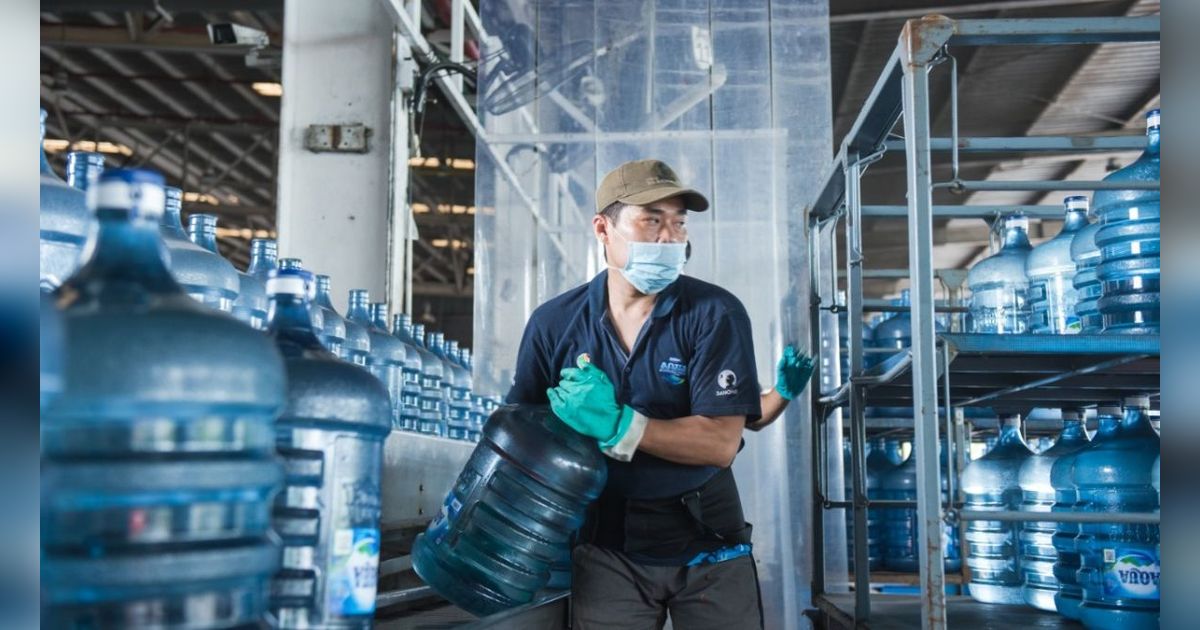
(1013,373)
(940,374)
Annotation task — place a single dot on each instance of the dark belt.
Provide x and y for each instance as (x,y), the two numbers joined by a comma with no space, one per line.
(701,520)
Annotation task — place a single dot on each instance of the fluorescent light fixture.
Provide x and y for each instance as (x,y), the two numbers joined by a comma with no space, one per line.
(192,196)
(462,164)
(58,145)
(244,233)
(267,88)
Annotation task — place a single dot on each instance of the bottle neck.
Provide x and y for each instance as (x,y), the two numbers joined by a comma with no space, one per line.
(1152,140)
(1016,238)
(129,250)
(1136,418)
(379,319)
(262,261)
(172,222)
(359,309)
(1010,430)
(290,318)
(1072,430)
(323,298)
(400,328)
(1074,221)
(204,235)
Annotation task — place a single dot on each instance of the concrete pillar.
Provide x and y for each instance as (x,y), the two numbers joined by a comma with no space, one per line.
(334,208)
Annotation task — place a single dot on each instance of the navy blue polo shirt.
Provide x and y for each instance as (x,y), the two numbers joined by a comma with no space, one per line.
(693,356)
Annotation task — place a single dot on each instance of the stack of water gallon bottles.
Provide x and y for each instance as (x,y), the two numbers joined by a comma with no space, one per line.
(211,447)
(1093,278)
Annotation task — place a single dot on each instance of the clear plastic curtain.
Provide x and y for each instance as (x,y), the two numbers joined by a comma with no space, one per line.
(734,94)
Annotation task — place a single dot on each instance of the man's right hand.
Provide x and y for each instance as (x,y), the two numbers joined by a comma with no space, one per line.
(586,401)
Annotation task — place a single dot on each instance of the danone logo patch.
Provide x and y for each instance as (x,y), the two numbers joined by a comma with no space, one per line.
(1131,573)
(673,371)
(727,383)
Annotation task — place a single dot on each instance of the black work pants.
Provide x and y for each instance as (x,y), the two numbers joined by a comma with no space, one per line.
(608,590)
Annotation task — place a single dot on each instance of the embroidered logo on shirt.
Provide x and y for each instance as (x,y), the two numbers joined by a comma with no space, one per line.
(727,383)
(673,371)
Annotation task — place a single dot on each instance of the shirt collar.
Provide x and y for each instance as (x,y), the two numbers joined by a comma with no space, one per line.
(598,292)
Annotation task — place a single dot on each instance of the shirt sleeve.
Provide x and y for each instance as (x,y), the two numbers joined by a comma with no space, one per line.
(724,377)
(531,378)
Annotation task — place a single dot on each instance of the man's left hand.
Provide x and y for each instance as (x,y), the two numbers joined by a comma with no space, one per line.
(793,373)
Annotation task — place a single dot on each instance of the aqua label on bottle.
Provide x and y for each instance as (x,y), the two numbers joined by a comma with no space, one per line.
(353,571)
(1131,572)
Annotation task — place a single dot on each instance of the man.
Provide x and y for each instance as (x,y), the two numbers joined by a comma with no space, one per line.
(659,369)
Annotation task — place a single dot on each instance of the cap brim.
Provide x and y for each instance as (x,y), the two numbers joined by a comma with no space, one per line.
(692,200)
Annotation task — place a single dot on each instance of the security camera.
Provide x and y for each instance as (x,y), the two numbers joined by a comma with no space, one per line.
(227,34)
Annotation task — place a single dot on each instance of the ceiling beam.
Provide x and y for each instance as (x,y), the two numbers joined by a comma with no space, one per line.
(166,161)
(117,38)
(170,6)
(160,122)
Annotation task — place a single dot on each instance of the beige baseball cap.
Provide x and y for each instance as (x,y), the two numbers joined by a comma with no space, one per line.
(643,182)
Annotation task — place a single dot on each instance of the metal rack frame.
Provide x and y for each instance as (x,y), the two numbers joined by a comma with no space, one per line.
(902,92)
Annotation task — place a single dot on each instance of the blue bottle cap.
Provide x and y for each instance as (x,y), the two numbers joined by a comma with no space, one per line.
(291,263)
(291,282)
(1152,118)
(1076,202)
(139,191)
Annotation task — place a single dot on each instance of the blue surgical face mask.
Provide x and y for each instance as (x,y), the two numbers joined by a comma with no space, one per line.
(652,267)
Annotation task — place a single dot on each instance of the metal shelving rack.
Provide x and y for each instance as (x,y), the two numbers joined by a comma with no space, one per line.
(1013,372)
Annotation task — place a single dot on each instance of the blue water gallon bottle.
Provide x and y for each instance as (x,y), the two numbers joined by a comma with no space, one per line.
(1120,565)
(1051,273)
(1128,240)
(331,438)
(410,393)
(436,342)
(478,417)
(386,360)
(879,465)
(991,483)
(251,303)
(202,230)
(514,507)
(1038,554)
(458,422)
(204,275)
(333,326)
(999,289)
(64,221)
(902,536)
(158,457)
(1066,499)
(431,420)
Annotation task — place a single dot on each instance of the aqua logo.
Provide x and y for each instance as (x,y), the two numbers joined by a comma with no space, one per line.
(1132,572)
(673,371)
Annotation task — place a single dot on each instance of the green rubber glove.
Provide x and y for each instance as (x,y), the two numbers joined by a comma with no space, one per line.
(792,373)
(586,401)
